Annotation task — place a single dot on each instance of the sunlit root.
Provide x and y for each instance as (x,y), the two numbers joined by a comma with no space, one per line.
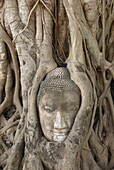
(88,160)
(99,150)
(3,130)
(61,33)
(91,13)
(109,130)
(8,100)
(110,137)
(3,145)
(4,36)
(16,153)
(3,159)
(3,69)
(73,8)
(15,116)
(10,133)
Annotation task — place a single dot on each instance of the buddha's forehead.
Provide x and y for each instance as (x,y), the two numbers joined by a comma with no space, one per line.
(63,97)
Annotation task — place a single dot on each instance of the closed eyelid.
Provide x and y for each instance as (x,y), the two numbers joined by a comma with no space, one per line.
(72,108)
(49,107)
(71,105)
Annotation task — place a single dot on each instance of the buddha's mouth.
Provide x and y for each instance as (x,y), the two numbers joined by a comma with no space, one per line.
(61,133)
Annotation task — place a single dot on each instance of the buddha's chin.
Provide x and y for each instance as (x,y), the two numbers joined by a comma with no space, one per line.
(59,137)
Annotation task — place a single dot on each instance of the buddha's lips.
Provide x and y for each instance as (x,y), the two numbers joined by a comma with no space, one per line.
(60,133)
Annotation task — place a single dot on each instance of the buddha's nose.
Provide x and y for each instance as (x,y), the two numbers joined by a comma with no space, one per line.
(60,122)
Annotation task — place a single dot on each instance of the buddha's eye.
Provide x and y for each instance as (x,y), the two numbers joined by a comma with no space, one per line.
(49,109)
(72,108)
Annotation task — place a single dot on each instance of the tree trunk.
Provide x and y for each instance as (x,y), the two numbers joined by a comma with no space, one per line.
(37,36)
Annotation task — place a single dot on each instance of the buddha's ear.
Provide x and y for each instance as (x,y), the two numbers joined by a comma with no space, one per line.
(81,126)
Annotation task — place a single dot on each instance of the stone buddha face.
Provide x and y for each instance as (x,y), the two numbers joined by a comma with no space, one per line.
(57,111)
(58,103)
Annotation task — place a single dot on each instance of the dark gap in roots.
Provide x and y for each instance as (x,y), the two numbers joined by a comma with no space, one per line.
(8,113)
(112,89)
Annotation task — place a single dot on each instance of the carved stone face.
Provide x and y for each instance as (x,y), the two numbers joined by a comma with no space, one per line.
(57,111)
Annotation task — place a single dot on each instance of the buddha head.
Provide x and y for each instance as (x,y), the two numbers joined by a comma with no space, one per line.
(58,103)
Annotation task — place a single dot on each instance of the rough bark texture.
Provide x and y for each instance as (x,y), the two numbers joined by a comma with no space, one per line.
(36,36)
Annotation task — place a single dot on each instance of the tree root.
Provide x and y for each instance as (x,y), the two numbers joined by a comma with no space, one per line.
(16,153)
(3,159)
(8,92)
(88,161)
(3,68)
(28,19)
(99,150)
(3,130)
(77,14)
(8,41)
